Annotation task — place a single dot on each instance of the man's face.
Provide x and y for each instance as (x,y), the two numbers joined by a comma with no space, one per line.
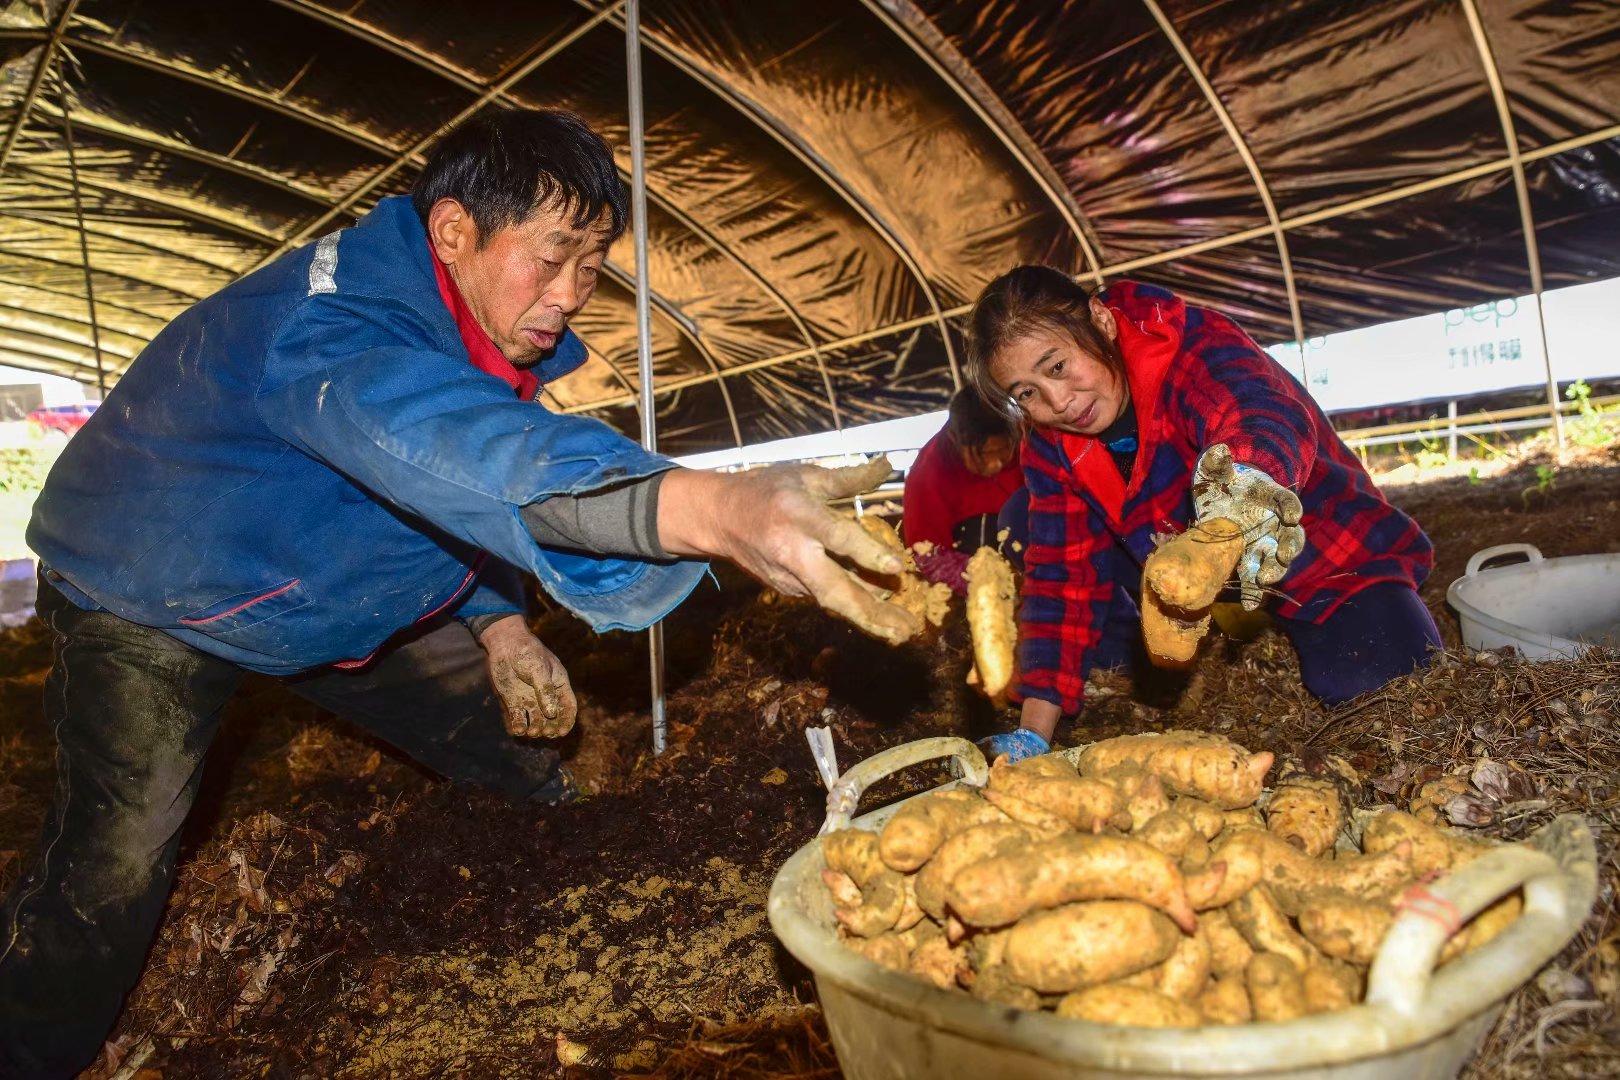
(527,280)
(989,457)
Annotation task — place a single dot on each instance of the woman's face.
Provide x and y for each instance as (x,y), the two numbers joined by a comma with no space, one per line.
(1059,385)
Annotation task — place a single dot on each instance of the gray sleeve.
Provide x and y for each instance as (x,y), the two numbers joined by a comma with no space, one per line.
(621,521)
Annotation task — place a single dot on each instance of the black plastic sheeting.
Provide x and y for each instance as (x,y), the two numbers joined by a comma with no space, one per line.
(821,172)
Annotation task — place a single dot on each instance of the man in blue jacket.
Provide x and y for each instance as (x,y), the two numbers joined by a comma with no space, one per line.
(333,471)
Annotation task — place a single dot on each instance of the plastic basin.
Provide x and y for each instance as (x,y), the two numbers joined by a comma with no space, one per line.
(1417,1021)
(1546,608)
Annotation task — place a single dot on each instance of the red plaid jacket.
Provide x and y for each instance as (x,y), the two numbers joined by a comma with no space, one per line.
(1196,379)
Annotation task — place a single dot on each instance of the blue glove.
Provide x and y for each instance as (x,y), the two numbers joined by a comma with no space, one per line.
(1017,745)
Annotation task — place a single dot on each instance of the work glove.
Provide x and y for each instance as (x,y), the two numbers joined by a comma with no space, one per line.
(1014,745)
(1266,512)
(530,681)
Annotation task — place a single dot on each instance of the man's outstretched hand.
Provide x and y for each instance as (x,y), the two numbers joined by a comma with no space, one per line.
(530,681)
(775,523)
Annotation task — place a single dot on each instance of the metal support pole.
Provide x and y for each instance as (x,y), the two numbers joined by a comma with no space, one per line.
(84,242)
(1451,426)
(644,357)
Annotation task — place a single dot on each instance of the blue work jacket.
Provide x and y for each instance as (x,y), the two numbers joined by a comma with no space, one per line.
(305,463)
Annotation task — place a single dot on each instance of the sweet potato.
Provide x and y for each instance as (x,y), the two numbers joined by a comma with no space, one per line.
(917,829)
(1256,916)
(993,984)
(964,849)
(1141,793)
(1226,1001)
(1208,819)
(992,600)
(1085,944)
(1184,972)
(1434,849)
(1330,985)
(1485,926)
(1194,763)
(1188,570)
(1307,813)
(1276,988)
(1170,832)
(1247,857)
(889,949)
(1019,809)
(1346,928)
(1079,802)
(1170,635)
(928,601)
(1179,585)
(852,856)
(1065,869)
(1229,951)
(1128,1006)
(937,961)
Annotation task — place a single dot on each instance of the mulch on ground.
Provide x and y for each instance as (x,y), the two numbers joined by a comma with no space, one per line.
(339,913)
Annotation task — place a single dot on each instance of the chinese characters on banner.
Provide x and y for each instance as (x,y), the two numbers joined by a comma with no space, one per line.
(1465,351)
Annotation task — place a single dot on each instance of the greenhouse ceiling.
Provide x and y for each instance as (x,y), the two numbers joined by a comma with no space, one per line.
(830,183)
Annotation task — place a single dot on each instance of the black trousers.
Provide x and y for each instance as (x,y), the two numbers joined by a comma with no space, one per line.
(134,712)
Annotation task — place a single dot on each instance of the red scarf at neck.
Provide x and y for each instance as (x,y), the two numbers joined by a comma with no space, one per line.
(480,349)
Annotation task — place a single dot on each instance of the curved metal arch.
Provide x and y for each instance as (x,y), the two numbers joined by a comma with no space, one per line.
(66,369)
(911,26)
(1249,162)
(186,298)
(372,35)
(36,82)
(12,283)
(147,140)
(517,73)
(1521,188)
(9,344)
(772,126)
(703,233)
(11,328)
(55,317)
(347,132)
(156,200)
(685,327)
(36,218)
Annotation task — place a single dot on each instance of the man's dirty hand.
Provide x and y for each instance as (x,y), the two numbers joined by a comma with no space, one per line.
(775,523)
(531,682)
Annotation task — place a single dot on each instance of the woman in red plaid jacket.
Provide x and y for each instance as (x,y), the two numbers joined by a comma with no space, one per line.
(1147,414)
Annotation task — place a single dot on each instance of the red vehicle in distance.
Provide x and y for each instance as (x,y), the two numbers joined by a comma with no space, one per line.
(62,419)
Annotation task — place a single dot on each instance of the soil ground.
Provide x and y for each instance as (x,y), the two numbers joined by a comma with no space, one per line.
(340,913)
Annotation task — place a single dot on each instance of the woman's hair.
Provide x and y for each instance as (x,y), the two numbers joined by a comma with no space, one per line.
(1024,300)
(971,422)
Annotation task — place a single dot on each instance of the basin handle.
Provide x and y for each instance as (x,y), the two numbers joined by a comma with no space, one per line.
(1496,551)
(846,792)
(1431,913)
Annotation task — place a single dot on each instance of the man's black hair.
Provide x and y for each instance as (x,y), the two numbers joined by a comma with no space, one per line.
(972,423)
(503,166)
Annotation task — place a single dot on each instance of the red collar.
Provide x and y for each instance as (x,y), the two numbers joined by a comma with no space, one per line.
(1149,345)
(480,349)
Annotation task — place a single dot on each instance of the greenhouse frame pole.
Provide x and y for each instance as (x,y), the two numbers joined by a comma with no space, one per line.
(644,356)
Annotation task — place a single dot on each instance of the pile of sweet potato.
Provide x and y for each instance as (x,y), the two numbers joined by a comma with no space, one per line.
(1158,884)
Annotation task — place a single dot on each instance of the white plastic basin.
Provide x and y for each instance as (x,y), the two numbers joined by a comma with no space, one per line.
(1545,608)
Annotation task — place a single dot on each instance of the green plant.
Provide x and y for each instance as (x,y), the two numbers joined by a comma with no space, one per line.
(24,469)
(1590,428)
(1473,474)
(1546,480)
(1433,455)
